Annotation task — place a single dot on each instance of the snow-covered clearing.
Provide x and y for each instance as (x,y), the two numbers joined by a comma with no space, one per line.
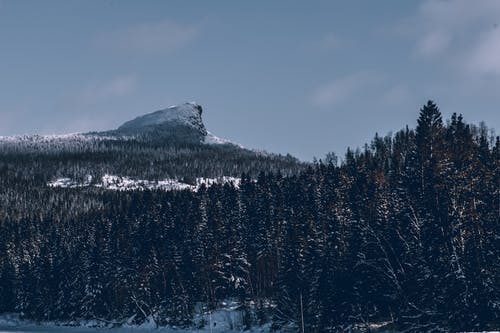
(221,321)
(118,183)
(66,329)
(226,320)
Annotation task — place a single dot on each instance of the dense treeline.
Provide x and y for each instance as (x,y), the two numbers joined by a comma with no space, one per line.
(405,230)
(154,155)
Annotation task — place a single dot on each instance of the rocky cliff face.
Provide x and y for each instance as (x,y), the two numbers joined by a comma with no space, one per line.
(180,118)
(176,124)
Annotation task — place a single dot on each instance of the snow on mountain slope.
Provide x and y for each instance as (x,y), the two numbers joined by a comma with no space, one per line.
(35,138)
(118,183)
(55,141)
(187,114)
(211,139)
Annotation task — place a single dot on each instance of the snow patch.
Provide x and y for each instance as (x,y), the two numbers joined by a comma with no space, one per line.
(119,183)
(64,140)
(45,138)
(211,139)
(228,318)
(222,180)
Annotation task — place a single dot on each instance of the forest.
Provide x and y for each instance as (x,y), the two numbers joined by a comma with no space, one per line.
(404,230)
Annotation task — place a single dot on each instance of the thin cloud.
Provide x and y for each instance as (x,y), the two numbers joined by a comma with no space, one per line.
(396,95)
(90,107)
(97,93)
(116,87)
(433,43)
(485,58)
(463,33)
(12,117)
(331,41)
(149,38)
(342,89)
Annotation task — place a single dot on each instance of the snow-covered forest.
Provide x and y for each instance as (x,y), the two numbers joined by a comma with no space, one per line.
(404,231)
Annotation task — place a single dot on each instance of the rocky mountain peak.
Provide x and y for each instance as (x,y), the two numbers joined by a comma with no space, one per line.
(184,115)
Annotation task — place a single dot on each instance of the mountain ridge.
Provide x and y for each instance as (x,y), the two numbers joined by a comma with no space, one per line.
(185,114)
(171,143)
(183,120)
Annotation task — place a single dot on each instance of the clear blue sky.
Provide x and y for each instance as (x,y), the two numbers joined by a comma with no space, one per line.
(299,77)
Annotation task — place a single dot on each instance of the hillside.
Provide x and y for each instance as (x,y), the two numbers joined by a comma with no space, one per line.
(169,145)
(403,235)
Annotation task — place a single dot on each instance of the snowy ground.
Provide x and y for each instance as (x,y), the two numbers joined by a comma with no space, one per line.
(55,329)
(224,320)
(60,329)
(118,183)
(33,328)
(227,322)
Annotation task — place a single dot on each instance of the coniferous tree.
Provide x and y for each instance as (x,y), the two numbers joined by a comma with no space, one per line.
(404,230)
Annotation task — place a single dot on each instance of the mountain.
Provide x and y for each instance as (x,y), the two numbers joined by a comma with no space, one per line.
(142,227)
(163,147)
(179,123)
(186,115)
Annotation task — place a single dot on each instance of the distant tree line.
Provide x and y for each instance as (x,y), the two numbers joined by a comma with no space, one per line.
(405,230)
(154,155)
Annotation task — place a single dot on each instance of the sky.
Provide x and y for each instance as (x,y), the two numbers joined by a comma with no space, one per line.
(298,77)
